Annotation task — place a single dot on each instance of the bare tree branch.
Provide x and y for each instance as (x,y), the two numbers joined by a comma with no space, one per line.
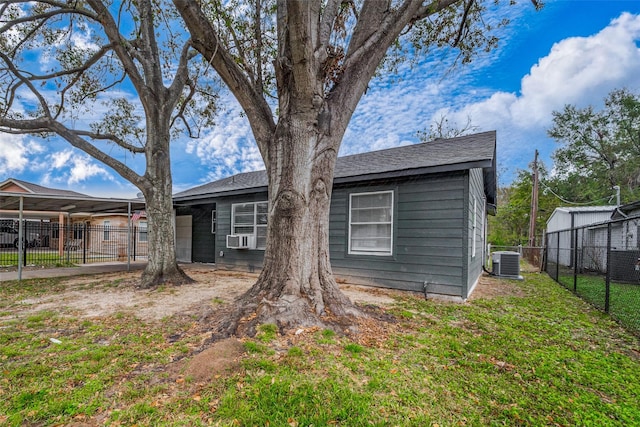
(111,138)
(206,41)
(26,82)
(328,18)
(63,10)
(121,46)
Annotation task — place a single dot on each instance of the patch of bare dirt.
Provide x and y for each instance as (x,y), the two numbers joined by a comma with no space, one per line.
(107,294)
(492,287)
(97,296)
(221,358)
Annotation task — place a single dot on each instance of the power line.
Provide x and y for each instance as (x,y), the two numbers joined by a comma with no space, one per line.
(546,187)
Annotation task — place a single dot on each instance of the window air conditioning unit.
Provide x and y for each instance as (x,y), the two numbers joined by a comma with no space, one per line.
(506,264)
(241,241)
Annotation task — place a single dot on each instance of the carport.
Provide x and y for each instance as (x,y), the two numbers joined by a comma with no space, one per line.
(21,202)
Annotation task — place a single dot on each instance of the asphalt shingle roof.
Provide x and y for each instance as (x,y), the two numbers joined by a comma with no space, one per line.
(441,155)
(39,189)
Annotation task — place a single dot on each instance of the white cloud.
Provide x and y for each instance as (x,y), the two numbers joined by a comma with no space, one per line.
(84,168)
(74,168)
(61,158)
(14,152)
(229,148)
(581,70)
(578,70)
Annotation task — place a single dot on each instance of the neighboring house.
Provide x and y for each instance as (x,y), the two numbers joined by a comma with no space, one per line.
(566,218)
(40,223)
(96,232)
(12,185)
(626,227)
(625,243)
(627,211)
(411,217)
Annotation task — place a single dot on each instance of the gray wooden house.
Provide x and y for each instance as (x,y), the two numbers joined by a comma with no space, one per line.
(411,217)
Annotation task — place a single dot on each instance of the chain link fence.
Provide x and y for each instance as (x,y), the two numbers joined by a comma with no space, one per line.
(534,255)
(51,244)
(601,264)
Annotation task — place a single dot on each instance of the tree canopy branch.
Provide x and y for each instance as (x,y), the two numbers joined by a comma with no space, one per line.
(205,39)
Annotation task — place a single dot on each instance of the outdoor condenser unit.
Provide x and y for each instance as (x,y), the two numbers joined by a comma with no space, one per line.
(506,264)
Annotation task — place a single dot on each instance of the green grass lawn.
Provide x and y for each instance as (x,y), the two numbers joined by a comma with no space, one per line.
(49,258)
(536,356)
(624,298)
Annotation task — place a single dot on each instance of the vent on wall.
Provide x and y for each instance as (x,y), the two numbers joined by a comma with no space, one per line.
(506,264)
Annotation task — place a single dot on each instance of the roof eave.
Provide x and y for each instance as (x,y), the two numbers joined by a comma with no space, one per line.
(204,196)
(485,164)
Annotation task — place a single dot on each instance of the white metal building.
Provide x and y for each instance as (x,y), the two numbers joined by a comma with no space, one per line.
(565,218)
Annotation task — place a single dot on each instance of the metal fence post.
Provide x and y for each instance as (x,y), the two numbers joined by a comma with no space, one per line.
(557,256)
(575,259)
(545,253)
(84,244)
(608,276)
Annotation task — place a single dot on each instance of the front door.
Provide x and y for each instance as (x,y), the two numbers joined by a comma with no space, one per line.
(204,233)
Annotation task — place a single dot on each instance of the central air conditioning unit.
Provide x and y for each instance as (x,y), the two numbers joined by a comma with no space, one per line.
(506,264)
(241,241)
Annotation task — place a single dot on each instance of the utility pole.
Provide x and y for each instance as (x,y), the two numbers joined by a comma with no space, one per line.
(534,203)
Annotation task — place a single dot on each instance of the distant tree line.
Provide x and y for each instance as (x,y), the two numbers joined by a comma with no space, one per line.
(599,149)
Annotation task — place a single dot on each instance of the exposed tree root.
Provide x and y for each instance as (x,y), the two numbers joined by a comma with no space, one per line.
(172,276)
(287,312)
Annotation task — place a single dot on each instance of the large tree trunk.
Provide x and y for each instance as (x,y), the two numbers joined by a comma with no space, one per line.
(297,289)
(162,267)
(318,90)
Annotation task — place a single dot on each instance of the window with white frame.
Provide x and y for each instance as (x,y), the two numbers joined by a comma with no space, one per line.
(143,235)
(251,218)
(474,226)
(371,223)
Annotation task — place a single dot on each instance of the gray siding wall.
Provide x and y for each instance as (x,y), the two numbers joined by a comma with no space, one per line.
(236,259)
(428,236)
(474,258)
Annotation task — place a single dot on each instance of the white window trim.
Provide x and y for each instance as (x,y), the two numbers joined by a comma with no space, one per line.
(255,219)
(483,218)
(474,227)
(372,253)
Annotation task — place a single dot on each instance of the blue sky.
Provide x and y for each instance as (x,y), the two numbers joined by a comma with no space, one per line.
(571,52)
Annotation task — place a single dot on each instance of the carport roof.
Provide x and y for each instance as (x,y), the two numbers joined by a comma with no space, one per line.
(10,201)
